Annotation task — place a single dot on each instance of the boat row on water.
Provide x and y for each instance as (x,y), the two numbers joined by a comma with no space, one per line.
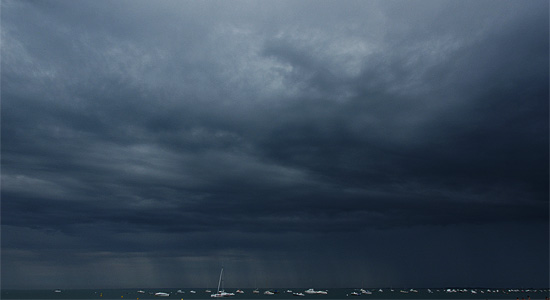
(221,293)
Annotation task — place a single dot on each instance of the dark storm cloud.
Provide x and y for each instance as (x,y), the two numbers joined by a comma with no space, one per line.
(210,130)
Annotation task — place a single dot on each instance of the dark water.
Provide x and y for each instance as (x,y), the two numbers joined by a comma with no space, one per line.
(336,293)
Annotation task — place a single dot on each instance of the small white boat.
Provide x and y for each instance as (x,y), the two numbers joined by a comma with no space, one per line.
(256,291)
(298,294)
(161,294)
(57,291)
(269,293)
(192,292)
(355,294)
(221,294)
(314,292)
(141,292)
(289,291)
(239,292)
(208,291)
(180,292)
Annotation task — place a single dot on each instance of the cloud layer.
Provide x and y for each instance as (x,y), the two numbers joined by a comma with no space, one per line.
(150,138)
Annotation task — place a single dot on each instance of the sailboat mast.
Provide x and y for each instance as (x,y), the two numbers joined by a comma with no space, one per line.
(220,281)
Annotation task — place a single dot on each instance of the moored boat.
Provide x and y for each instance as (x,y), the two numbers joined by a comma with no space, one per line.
(314,292)
(221,293)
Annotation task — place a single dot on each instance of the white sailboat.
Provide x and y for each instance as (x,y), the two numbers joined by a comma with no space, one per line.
(221,293)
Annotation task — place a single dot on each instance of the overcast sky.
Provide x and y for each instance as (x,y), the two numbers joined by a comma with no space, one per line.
(296,143)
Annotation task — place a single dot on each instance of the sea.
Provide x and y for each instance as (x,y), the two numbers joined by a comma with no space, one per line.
(282,293)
